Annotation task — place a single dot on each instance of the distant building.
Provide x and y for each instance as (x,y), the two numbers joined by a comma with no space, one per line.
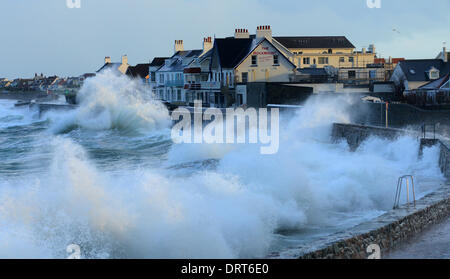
(154,66)
(120,68)
(362,75)
(435,92)
(197,84)
(388,65)
(444,55)
(170,76)
(140,72)
(239,60)
(4,83)
(412,74)
(319,51)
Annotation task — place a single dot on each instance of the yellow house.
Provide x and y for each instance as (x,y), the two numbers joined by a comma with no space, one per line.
(320,51)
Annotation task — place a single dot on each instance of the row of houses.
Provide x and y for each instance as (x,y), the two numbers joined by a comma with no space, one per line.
(424,82)
(44,83)
(219,73)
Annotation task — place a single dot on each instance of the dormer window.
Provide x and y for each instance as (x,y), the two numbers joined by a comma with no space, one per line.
(433,73)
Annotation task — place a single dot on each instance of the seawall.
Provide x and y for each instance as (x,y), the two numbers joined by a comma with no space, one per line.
(390,229)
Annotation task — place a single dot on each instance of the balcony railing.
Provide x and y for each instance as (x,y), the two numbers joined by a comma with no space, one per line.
(206,85)
(174,83)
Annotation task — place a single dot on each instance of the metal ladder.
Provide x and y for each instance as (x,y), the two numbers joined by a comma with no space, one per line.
(405,178)
(424,131)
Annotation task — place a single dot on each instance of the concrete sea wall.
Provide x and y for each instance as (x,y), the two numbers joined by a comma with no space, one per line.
(356,134)
(390,229)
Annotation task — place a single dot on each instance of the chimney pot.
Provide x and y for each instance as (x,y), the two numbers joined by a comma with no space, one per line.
(444,53)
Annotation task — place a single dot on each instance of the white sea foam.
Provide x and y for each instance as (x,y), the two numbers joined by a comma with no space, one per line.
(230,212)
(109,101)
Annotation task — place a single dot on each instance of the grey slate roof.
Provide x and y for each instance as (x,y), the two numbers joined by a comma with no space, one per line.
(114,66)
(158,61)
(138,71)
(179,60)
(231,51)
(436,84)
(315,42)
(417,70)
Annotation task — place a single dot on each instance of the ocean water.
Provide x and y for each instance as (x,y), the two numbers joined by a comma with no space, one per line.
(108,177)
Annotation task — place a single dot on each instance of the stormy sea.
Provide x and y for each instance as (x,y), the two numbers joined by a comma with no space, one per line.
(107,176)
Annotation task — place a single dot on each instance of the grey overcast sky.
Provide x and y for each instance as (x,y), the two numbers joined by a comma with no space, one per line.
(46,36)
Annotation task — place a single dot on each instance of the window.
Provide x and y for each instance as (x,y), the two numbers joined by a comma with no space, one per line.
(341,59)
(244,77)
(306,60)
(275,59)
(323,60)
(373,74)
(254,60)
(434,74)
(330,51)
(351,59)
(179,95)
(351,74)
(161,78)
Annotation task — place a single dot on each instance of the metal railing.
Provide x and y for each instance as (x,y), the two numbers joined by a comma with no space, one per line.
(424,130)
(405,178)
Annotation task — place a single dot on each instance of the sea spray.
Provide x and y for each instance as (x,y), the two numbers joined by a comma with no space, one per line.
(237,209)
(109,101)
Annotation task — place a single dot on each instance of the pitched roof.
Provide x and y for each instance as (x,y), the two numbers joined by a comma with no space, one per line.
(436,84)
(138,71)
(158,61)
(315,42)
(109,66)
(188,53)
(231,51)
(179,60)
(417,70)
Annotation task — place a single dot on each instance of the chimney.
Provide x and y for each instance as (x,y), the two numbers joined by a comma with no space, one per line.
(372,49)
(179,45)
(241,34)
(207,44)
(107,60)
(445,54)
(125,60)
(264,31)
